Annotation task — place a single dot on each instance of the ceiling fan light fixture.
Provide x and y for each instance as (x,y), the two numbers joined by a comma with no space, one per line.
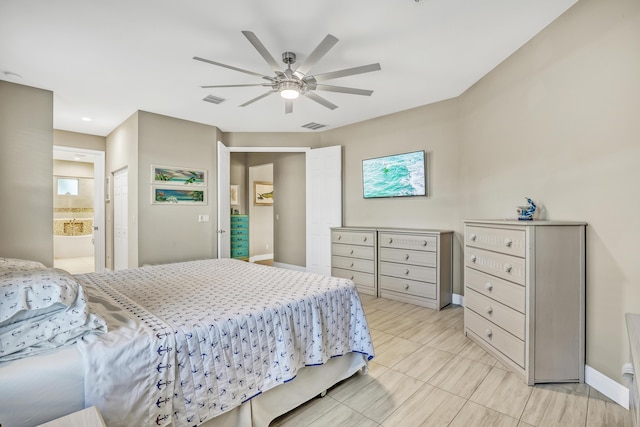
(289,90)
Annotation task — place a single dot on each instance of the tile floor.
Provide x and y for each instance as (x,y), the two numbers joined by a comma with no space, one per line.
(427,373)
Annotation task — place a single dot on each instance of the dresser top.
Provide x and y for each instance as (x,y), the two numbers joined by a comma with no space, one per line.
(394,230)
(535,222)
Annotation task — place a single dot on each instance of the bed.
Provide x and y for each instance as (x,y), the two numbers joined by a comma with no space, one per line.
(211,343)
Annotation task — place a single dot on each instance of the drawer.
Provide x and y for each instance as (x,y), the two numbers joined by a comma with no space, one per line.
(359,278)
(410,287)
(508,293)
(505,266)
(244,252)
(353,264)
(498,338)
(239,238)
(505,241)
(235,225)
(239,219)
(419,242)
(354,251)
(507,318)
(364,238)
(240,232)
(407,256)
(411,272)
(239,245)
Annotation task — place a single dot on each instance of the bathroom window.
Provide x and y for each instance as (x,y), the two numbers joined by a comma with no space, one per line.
(68,186)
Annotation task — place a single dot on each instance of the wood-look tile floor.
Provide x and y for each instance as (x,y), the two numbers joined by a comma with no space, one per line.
(427,373)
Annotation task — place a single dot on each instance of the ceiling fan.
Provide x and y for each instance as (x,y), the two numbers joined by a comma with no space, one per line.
(293,83)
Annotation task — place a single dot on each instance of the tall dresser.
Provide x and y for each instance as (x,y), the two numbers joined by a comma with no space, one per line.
(524,291)
(239,237)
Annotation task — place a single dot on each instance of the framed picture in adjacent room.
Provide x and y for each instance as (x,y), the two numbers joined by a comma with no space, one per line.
(262,193)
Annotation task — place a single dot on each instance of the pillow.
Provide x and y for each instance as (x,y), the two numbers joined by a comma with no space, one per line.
(30,293)
(41,310)
(15,264)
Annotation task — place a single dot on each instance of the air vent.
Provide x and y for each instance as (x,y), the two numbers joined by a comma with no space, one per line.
(213,99)
(313,126)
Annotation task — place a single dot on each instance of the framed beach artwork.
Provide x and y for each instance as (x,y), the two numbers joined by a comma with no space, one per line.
(233,193)
(178,176)
(262,193)
(162,195)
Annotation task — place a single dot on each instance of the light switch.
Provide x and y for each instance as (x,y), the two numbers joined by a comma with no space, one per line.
(203,218)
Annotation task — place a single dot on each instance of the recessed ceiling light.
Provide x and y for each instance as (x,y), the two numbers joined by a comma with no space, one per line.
(86,119)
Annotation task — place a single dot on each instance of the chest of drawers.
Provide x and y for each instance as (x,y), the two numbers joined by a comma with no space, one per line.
(408,265)
(415,266)
(239,236)
(525,296)
(353,256)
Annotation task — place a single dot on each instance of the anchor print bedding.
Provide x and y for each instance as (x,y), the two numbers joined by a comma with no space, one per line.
(190,341)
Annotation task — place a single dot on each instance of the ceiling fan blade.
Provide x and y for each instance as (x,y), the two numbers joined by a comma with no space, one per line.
(253,39)
(320,100)
(247,85)
(251,73)
(321,50)
(346,72)
(341,89)
(288,106)
(257,98)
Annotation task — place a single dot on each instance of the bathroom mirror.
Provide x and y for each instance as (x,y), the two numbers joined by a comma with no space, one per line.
(68,186)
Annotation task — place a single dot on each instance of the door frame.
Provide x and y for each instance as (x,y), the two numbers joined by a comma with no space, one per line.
(98,159)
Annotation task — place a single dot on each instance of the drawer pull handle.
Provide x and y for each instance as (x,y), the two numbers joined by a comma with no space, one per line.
(508,268)
(389,240)
(474,258)
(406,257)
(351,265)
(352,277)
(406,286)
(364,239)
(508,242)
(351,253)
(489,286)
(406,272)
(473,237)
(488,333)
(489,310)
(339,236)
(425,243)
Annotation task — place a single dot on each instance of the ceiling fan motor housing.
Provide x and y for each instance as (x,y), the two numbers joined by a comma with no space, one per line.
(288,58)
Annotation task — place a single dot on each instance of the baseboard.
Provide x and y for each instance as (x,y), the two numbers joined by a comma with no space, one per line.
(605,385)
(289,266)
(260,257)
(457,299)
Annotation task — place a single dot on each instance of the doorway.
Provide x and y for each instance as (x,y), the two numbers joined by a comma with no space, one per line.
(261,240)
(78,209)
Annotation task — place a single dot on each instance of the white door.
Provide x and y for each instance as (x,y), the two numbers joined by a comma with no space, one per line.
(324,205)
(224,201)
(120,220)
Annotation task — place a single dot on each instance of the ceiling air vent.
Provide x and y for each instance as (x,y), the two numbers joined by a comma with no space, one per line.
(313,126)
(213,99)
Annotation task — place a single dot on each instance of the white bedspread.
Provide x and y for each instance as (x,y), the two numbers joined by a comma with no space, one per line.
(193,340)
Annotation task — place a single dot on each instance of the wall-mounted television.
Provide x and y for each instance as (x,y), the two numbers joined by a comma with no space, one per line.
(399,175)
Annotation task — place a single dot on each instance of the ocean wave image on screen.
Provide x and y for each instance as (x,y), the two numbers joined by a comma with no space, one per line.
(394,176)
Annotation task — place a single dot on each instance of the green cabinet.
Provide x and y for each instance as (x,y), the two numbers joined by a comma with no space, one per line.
(240,237)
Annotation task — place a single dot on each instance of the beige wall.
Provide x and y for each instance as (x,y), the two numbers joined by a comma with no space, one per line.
(26,168)
(172,232)
(122,152)
(79,140)
(558,122)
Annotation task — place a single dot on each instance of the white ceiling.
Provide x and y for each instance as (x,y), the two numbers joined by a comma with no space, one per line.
(106,59)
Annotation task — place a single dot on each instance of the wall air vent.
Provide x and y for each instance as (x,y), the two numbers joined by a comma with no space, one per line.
(313,126)
(213,99)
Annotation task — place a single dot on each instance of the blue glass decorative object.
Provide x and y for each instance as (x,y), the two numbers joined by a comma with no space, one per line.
(525,213)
